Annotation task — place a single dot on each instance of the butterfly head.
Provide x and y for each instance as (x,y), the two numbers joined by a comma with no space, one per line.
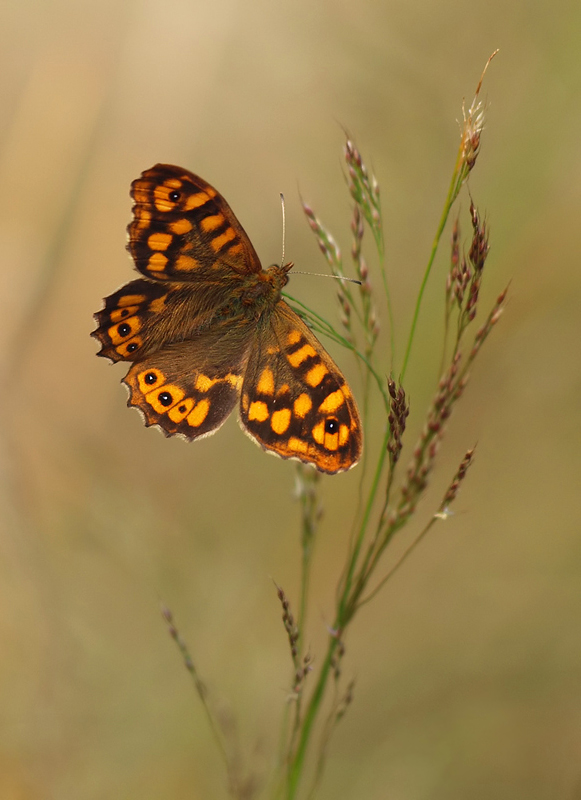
(275,278)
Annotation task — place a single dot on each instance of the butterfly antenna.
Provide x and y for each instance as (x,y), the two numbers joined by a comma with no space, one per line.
(326,275)
(283,209)
(316,274)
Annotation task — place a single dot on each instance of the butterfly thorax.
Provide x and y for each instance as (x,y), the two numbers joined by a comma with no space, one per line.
(261,291)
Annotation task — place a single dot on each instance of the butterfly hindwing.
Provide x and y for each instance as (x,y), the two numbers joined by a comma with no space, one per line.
(190,394)
(184,230)
(295,402)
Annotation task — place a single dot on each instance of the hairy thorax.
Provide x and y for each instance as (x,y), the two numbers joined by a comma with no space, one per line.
(258,293)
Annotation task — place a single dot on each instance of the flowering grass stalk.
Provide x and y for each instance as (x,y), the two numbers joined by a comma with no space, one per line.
(391,501)
(473,125)
(393,493)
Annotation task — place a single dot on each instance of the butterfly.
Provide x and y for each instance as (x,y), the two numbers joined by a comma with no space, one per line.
(206,328)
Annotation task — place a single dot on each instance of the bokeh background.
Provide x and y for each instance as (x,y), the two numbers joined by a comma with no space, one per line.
(468,665)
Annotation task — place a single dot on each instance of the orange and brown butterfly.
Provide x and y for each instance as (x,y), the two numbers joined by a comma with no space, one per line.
(206,328)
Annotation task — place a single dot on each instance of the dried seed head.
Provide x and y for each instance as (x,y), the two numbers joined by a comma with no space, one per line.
(450,495)
(493,318)
(471,133)
(357,225)
(363,188)
(289,622)
(398,414)
(479,246)
(300,674)
(455,257)
(345,701)
(473,125)
(327,244)
(364,275)
(353,157)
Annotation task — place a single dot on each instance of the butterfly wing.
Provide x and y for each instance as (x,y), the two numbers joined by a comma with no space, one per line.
(190,388)
(144,316)
(184,230)
(295,402)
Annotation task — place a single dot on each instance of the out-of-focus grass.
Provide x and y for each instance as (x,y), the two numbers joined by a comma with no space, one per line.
(468,666)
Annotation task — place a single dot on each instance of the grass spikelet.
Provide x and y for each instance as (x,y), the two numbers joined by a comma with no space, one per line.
(290,625)
(452,491)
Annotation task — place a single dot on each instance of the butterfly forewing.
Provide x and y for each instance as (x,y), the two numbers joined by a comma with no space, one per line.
(295,401)
(184,230)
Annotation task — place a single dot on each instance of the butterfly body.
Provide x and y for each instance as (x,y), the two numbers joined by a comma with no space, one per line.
(206,328)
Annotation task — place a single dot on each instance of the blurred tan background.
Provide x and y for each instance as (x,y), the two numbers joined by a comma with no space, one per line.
(468,665)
